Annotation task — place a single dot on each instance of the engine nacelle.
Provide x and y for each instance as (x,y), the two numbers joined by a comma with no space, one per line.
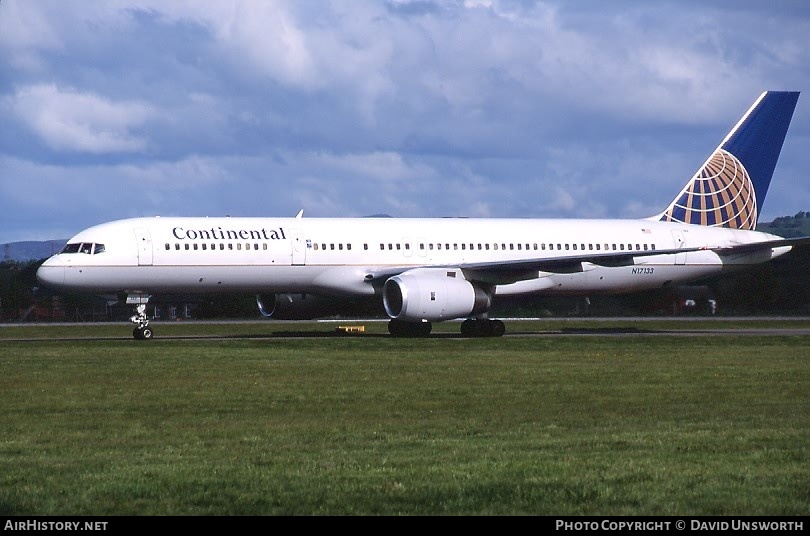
(296,306)
(433,294)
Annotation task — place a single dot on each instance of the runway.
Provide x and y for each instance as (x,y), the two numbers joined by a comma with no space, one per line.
(522,327)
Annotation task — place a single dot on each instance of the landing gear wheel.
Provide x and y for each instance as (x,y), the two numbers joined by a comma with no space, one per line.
(400,328)
(469,328)
(143,334)
(498,328)
(482,327)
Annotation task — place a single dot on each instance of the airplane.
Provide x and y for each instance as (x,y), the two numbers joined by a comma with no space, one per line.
(436,269)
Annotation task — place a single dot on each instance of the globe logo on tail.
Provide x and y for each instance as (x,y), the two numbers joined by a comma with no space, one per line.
(720,194)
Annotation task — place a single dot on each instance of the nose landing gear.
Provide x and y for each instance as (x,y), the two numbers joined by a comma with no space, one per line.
(142,331)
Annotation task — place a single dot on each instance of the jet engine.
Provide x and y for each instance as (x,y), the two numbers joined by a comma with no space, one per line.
(434,294)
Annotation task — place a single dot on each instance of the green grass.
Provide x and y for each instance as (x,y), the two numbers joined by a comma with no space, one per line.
(630,425)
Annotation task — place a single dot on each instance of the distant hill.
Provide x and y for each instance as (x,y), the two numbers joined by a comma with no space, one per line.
(30,250)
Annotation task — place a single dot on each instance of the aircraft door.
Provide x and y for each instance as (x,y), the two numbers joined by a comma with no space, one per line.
(299,249)
(144,240)
(680,258)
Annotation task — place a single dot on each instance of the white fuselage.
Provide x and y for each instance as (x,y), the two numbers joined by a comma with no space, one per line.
(349,256)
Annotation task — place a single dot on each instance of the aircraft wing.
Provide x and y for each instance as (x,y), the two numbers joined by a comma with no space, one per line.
(510,271)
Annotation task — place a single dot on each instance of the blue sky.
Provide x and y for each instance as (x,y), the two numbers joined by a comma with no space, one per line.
(472,108)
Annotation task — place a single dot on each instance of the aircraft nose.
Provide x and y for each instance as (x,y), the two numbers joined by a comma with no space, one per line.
(51,276)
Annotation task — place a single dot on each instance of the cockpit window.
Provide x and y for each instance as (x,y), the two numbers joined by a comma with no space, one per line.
(83,247)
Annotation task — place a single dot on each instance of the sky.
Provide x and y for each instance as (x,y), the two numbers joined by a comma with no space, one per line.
(469,108)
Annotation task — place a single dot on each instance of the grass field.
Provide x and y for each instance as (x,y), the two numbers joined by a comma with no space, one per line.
(549,425)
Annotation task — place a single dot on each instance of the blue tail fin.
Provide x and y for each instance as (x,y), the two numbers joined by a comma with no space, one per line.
(728,190)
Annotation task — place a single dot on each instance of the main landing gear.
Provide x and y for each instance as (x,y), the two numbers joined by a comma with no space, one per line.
(482,327)
(142,331)
(472,327)
(400,328)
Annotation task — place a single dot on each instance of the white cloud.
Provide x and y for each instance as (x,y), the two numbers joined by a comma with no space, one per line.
(192,172)
(377,166)
(68,120)
(22,27)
